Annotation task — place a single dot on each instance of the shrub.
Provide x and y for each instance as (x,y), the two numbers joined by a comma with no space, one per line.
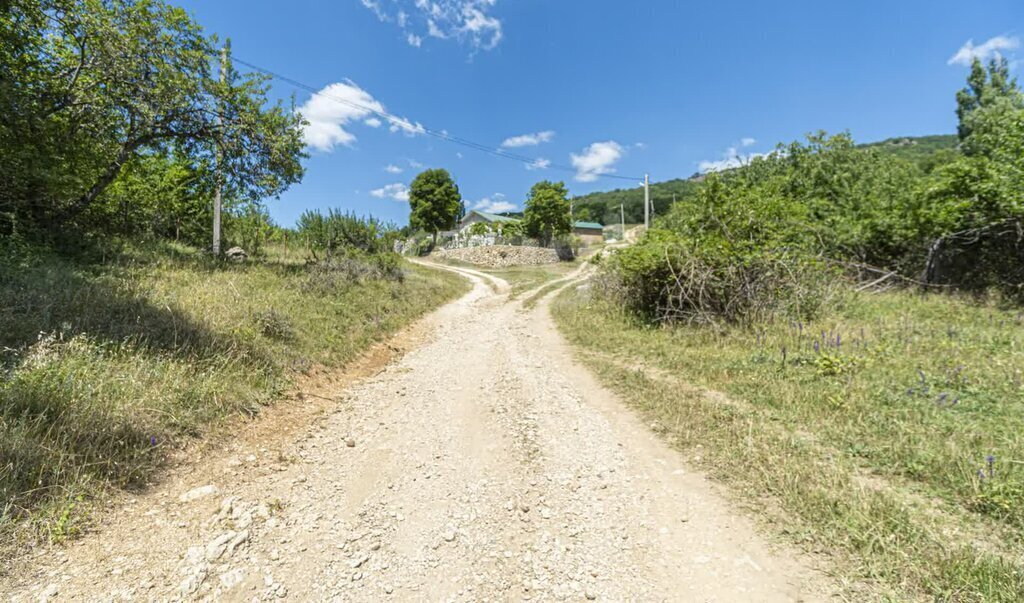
(274,324)
(669,278)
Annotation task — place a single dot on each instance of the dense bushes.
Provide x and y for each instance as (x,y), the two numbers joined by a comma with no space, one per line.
(762,241)
(670,278)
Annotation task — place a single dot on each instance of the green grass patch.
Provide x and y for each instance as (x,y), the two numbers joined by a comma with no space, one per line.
(106,365)
(889,433)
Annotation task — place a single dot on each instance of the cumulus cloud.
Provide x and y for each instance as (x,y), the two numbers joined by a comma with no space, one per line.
(539,164)
(984,51)
(596,160)
(469,21)
(494,204)
(393,169)
(396,191)
(528,140)
(331,111)
(732,158)
(748,142)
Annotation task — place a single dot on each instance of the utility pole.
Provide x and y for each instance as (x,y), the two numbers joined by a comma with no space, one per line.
(647,202)
(219,175)
(622,217)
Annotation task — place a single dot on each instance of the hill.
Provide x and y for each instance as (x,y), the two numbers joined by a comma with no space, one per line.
(927,152)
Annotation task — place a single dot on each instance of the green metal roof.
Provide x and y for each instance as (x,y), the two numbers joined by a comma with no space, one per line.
(588,225)
(492,217)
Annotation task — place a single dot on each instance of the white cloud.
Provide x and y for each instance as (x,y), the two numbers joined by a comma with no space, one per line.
(732,158)
(528,140)
(414,164)
(458,154)
(331,110)
(748,142)
(988,49)
(374,5)
(393,169)
(328,113)
(494,204)
(640,145)
(397,191)
(539,164)
(468,21)
(597,159)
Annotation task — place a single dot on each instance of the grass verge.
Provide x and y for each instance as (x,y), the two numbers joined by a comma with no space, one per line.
(888,435)
(107,365)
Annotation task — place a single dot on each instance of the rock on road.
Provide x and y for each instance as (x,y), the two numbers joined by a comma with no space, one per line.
(484,465)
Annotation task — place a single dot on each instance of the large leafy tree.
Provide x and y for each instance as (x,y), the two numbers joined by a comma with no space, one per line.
(435,201)
(88,86)
(547,211)
(985,87)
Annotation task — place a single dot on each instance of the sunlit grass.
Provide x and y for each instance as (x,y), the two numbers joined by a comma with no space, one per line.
(889,432)
(105,366)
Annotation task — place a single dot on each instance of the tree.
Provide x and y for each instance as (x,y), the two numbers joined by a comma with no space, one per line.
(434,201)
(547,211)
(984,88)
(87,86)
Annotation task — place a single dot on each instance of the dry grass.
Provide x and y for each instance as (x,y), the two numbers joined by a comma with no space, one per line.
(870,430)
(105,366)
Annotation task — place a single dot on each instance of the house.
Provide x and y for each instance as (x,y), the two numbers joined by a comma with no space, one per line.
(591,233)
(474,217)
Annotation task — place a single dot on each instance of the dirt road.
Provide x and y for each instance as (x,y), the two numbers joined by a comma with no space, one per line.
(483,465)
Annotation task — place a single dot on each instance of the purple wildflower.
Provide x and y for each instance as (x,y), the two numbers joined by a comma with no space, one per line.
(991,460)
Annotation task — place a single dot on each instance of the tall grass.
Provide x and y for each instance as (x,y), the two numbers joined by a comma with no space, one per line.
(888,433)
(108,364)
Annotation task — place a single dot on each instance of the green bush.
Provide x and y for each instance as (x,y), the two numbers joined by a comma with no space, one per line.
(669,278)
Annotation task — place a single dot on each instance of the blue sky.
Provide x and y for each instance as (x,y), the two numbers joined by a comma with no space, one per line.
(601,87)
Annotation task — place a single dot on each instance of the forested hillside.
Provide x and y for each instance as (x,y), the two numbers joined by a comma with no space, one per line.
(927,152)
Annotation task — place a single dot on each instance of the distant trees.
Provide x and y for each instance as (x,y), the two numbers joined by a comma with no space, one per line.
(90,88)
(547,211)
(435,201)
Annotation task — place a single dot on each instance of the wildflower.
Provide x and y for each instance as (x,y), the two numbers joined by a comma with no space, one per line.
(152,440)
(991,460)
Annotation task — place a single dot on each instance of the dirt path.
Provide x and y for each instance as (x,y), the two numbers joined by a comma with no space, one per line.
(483,465)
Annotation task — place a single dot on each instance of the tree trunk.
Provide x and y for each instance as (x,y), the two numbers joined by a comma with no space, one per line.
(104,181)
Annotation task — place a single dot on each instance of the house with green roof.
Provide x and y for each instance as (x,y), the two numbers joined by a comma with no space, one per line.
(474,216)
(590,232)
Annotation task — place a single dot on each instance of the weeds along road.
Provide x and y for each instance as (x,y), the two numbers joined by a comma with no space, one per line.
(483,465)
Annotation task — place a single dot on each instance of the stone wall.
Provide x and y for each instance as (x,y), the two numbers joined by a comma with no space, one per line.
(500,256)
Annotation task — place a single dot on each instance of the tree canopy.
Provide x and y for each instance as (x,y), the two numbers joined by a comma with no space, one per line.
(89,87)
(547,211)
(986,86)
(435,201)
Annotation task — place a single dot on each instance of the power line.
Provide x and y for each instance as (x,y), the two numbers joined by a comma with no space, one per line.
(403,123)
